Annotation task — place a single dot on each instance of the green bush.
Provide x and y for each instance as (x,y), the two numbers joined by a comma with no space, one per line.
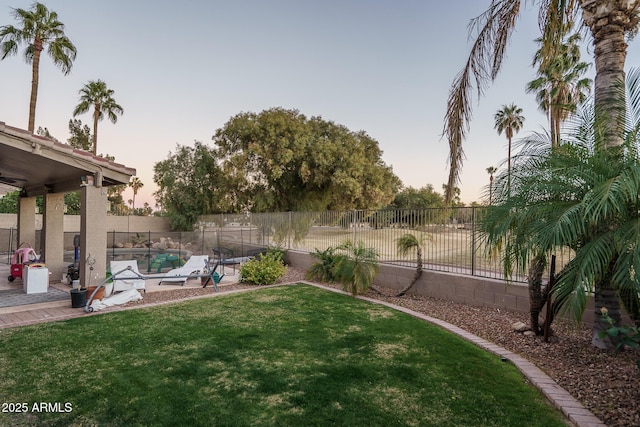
(324,270)
(263,270)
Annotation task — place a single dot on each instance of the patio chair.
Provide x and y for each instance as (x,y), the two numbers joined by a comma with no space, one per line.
(127,279)
(193,268)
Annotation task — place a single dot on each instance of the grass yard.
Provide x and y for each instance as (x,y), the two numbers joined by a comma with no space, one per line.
(296,355)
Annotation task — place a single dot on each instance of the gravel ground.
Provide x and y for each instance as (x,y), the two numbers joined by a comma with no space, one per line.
(605,382)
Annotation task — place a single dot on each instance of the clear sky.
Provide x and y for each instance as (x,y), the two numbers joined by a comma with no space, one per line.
(181,70)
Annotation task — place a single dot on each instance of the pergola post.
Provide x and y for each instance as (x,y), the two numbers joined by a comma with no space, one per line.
(93,235)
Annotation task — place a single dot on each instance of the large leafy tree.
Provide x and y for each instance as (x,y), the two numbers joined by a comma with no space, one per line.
(280,160)
(509,119)
(609,22)
(581,196)
(96,94)
(560,87)
(191,183)
(39,29)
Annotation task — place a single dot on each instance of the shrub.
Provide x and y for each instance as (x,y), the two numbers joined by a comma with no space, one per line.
(263,270)
(324,270)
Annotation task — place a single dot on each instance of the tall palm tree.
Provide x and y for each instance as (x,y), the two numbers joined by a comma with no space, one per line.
(559,87)
(491,171)
(580,196)
(135,185)
(97,94)
(39,29)
(509,119)
(609,22)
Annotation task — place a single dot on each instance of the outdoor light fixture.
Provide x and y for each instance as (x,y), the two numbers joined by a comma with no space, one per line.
(86,180)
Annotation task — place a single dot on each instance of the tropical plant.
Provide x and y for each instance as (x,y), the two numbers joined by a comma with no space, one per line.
(609,22)
(559,87)
(323,270)
(581,196)
(39,29)
(96,94)
(135,185)
(405,244)
(356,267)
(509,119)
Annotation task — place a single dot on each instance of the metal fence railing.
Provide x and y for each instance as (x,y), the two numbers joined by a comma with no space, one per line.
(449,237)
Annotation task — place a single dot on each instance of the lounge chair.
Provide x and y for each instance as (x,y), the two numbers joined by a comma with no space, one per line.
(127,279)
(193,268)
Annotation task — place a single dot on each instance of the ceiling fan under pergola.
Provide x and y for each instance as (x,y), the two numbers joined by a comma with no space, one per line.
(9,179)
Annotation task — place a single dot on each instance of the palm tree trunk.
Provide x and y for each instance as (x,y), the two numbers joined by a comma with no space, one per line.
(35,76)
(606,296)
(536,296)
(608,21)
(96,116)
(416,275)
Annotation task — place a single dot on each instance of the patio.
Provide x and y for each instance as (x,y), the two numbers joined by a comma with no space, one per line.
(18,308)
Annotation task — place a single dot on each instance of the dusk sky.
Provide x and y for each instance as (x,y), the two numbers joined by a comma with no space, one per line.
(181,70)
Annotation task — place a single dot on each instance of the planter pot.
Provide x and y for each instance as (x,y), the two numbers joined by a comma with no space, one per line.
(78,298)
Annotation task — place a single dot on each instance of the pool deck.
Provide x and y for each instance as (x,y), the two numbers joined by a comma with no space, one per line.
(23,315)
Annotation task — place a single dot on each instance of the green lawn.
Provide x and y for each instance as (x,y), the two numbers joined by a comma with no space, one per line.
(297,355)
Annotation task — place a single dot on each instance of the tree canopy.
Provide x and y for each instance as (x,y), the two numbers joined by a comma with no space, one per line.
(280,160)
(275,160)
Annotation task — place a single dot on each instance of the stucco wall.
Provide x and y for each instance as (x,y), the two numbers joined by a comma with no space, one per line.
(471,290)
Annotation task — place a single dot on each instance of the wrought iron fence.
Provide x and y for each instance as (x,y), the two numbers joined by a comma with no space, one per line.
(449,238)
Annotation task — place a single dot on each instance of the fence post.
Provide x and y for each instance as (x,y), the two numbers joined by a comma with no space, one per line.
(473,240)
(289,232)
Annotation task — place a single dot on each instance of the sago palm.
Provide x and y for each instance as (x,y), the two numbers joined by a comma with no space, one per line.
(579,196)
(96,94)
(39,29)
(356,267)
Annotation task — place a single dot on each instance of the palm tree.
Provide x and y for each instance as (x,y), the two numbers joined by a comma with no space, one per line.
(405,244)
(609,21)
(355,267)
(559,88)
(579,196)
(96,94)
(509,119)
(491,170)
(39,29)
(135,185)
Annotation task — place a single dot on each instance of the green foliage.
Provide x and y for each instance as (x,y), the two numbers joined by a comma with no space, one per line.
(356,267)
(263,269)
(579,195)
(191,183)
(325,269)
(279,160)
(622,336)
(418,198)
(9,202)
(80,135)
(96,94)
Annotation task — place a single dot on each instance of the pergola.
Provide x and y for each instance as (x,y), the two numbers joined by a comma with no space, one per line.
(38,166)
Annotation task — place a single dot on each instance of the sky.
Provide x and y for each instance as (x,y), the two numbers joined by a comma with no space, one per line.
(181,70)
